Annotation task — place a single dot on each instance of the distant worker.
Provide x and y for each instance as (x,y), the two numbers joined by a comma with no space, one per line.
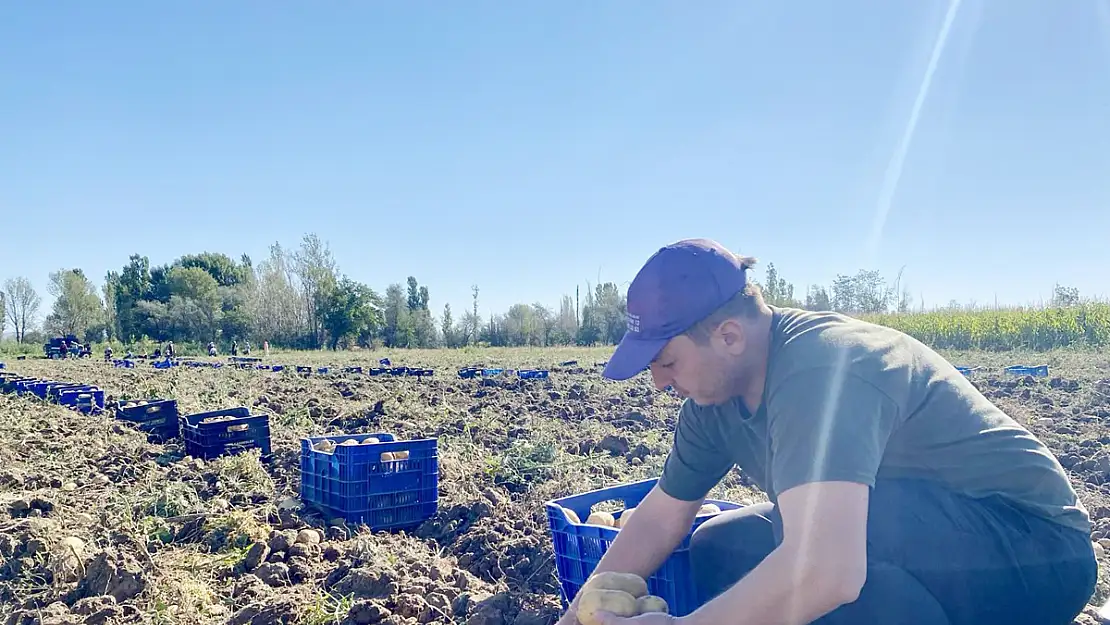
(235,348)
(266,347)
(211,348)
(169,350)
(246,348)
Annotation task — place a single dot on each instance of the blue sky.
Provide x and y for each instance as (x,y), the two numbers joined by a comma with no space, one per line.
(400,132)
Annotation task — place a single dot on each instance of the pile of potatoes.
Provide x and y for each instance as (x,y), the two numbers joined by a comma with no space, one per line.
(220,419)
(606,519)
(623,594)
(328,446)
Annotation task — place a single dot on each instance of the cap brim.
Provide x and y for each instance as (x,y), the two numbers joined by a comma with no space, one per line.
(631,356)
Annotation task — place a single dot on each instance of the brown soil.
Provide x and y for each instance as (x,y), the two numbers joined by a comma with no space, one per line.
(99,524)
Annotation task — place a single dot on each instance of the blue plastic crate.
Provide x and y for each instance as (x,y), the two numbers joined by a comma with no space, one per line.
(469,372)
(399,371)
(41,389)
(578,548)
(491,371)
(54,391)
(384,362)
(87,400)
(210,440)
(277,368)
(1039,371)
(378,371)
(353,482)
(159,416)
(304,369)
(23,387)
(532,374)
(12,384)
(322,369)
(352,369)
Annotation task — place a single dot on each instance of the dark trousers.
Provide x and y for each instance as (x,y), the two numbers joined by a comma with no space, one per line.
(933,558)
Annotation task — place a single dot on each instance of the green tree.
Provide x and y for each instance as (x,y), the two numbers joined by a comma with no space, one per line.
(77,308)
(133,285)
(448,328)
(195,303)
(398,330)
(316,269)
(221,267)
(777,291)
(352,310)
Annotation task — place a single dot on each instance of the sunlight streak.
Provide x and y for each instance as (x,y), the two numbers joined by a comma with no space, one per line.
(894,167)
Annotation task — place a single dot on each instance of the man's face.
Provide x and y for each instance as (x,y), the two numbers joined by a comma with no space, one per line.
(699,372)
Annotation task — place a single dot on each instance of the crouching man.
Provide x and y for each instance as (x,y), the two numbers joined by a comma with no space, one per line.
(898,493)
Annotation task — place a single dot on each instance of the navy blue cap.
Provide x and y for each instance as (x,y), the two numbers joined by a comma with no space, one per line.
(680,285)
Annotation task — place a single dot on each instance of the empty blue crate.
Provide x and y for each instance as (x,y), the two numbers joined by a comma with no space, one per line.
(54,391)
(224,432)
(578,546)
(356,481)
(158,417)
(532,374)
(1038,372)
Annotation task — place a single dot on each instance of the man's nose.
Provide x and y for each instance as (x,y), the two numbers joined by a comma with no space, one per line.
(660,380)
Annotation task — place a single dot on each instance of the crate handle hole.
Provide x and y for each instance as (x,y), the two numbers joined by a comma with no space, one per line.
(238,428)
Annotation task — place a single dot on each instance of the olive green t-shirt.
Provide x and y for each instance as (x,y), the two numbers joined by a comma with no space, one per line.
(847,400)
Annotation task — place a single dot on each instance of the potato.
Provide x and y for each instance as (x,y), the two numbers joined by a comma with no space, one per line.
(600,518)
(401,455)
(387,456)
(651,603)
(370,441)
(594,600)
(623,518)
(629,583)
(709,508)
(349,442)
(572,516)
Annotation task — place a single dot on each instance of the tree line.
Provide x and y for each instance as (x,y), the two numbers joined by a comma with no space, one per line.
(300,299)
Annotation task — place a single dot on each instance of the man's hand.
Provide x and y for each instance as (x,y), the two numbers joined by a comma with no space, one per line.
(652,618)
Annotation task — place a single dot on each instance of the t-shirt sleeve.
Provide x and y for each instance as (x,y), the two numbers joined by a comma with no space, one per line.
(827,426)
(695,464)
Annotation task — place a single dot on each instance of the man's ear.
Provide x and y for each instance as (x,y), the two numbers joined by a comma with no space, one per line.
(730,337)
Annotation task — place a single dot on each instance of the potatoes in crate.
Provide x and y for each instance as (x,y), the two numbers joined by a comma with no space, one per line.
(327,446)
(220,419)
(623,594)
(571,516)
(709,508)
(623,518)
(601,518)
